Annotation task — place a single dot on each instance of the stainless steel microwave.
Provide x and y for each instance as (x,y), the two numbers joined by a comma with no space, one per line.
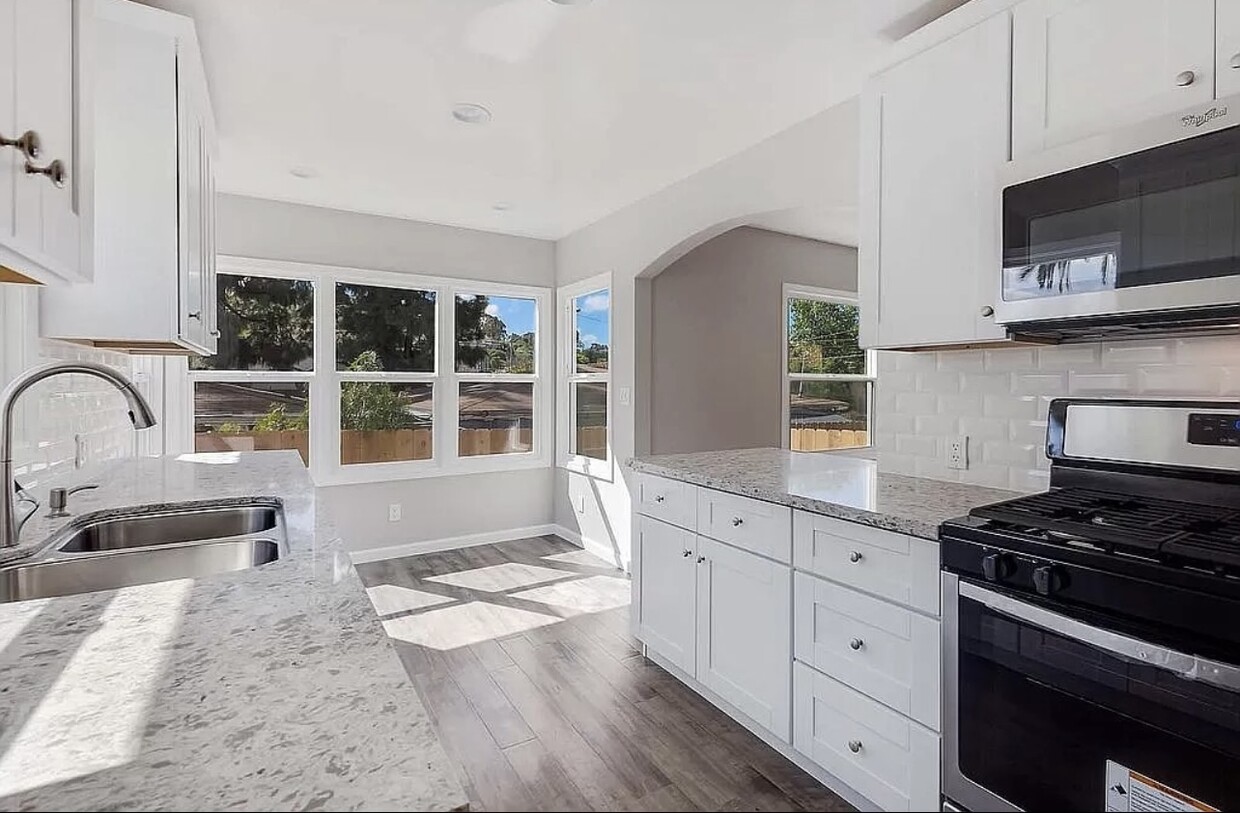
(1131,232)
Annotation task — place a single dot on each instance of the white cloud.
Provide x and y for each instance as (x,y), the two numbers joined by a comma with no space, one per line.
(589,338)
(492,309)
(595,303)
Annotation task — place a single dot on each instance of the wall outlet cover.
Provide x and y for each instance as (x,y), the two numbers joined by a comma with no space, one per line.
(394,512)
(958,452)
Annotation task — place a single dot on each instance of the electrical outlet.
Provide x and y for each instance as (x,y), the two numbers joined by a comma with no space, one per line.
(958,452)
(394,512)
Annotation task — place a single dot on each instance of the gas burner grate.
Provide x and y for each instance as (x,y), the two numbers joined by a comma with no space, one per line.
(1150,527)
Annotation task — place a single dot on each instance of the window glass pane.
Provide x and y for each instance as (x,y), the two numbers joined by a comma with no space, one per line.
(822,338)
(494,334)
(388,329)
(244,417)
(264,324)
(828,414)
(381,423)
(592,331)
(590,419)
(495,419)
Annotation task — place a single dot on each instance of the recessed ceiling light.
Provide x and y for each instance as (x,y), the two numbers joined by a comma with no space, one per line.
(302,172)
(502,206)
(471,113)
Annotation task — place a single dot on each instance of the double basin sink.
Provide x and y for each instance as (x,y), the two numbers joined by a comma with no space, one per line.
(139,546)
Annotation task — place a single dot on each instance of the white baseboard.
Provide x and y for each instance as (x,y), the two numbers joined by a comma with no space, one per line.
(454,542)
(599,548)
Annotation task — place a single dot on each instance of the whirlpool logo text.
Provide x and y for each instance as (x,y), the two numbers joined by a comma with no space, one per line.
(1201,119)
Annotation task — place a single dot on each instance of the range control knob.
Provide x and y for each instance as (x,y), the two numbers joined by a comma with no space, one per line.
(1047,579)
(998,566)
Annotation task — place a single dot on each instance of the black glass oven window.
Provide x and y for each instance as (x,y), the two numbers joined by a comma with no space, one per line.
(1167,214)
(1040,715)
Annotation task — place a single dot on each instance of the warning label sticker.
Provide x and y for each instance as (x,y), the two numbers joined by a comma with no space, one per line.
(1128,791)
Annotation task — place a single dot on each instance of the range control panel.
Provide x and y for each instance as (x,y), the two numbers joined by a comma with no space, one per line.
(1214,429)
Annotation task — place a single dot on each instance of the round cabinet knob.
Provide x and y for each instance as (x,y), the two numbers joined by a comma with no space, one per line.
(54,172)
(659,498)
(856,644)
(854,746)
(1185,78)
(987,310)
(687,554)
(28,142)
(1235,61)
(737,522)
(855,556)
(701,559)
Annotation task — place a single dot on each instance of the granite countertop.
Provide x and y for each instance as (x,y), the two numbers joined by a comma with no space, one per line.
(264,689)
(848,486)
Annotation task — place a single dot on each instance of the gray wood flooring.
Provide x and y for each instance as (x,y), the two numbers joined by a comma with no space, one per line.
(522,653)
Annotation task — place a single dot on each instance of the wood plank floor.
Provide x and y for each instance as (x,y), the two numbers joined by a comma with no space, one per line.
(522,653)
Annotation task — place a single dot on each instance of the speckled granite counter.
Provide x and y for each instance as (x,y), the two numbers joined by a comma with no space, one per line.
(273,688)
(837,485)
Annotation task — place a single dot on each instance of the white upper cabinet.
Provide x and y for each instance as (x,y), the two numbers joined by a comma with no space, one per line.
(40,223)
(1227,48)
(1082,67)
(150,192)
(934,133)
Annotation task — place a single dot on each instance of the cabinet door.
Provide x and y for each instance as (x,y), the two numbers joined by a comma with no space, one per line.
(46,222)
(1082,67)
(664,576)
(744,620)
(191,316)
(934,134)
(8,125)
(209,290)
(1228,48)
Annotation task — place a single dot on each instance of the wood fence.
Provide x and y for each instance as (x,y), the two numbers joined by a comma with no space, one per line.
(816,440)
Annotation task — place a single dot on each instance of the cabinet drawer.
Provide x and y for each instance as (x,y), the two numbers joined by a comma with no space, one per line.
(890,565)
(761,527)
(888,758)
(669,500)
(886,651)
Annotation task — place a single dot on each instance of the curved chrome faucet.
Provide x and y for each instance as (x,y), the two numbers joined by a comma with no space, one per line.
(139,412)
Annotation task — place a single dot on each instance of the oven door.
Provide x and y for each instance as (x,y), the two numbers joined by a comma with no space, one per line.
(1043,711)
(1144,219)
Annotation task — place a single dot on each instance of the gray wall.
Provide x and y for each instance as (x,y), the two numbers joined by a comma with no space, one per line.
(433,508)
(716,334)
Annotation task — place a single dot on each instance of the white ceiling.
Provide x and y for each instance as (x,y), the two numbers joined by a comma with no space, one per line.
(595,106)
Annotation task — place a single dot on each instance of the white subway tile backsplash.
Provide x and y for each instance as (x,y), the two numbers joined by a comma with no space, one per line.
(999,398)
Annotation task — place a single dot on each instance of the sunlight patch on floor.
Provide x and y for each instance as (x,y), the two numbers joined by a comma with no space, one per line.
(94,716)
(391,598)
(594,594)
(577,557)
(498,578)
(464,624)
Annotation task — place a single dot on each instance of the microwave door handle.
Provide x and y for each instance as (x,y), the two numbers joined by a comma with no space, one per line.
(1190,667)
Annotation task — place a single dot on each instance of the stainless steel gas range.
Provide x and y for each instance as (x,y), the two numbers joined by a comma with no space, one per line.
(1092,632)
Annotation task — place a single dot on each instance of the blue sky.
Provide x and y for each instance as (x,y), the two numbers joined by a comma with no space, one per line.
(516,314)
(594,317)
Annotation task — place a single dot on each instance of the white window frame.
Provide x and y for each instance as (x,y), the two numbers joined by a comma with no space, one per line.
(568,375)
(793,291)
(325,380)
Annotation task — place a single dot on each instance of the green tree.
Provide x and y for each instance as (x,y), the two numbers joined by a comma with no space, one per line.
(822,338)
(265,324)
(368,405)
(395,324)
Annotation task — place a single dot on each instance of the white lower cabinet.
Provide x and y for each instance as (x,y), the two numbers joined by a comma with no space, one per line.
(665,578)
(744,650)
(890,759)
(883,650)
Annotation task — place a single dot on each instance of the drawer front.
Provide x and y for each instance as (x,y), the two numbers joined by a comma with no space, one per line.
(884,650)
(890,565)
(669,500)
(888,758)
(761,527)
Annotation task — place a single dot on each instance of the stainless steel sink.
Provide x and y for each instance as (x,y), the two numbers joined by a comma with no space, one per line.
(181,542)
(146,530)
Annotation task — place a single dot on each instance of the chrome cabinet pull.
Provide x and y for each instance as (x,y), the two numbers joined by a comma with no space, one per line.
(855,556)
(701,559)
(854,746)
(55,172)
(987,310)
(856,644)
(1235,61)
(194,315)
(687,554)
(1185,78)
(737,522)
(28,142)
(659,498)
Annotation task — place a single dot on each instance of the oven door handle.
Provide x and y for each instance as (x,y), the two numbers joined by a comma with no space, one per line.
(1186,666)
